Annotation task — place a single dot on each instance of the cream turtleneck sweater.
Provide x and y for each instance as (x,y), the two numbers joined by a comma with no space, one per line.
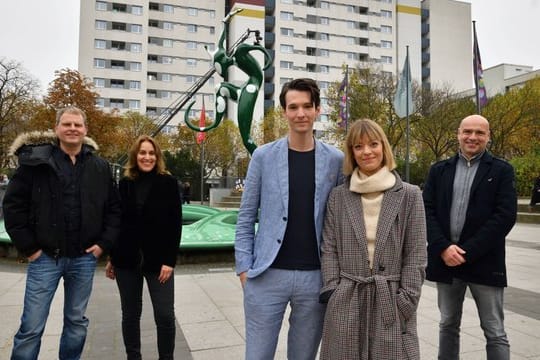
(371,189)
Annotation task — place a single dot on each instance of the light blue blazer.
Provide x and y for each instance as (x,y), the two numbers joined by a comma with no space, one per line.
(266,189)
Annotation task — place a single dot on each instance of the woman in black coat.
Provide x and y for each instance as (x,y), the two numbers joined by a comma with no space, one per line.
(148,244)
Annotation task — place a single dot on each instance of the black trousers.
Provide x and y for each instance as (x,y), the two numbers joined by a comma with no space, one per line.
(130,285)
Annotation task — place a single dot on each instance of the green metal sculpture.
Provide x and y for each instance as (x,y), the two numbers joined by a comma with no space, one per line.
(246,94)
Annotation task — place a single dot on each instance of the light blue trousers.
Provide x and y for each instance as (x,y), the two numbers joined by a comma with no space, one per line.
(265,300)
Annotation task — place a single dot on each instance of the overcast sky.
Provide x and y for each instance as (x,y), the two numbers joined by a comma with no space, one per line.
(43,34)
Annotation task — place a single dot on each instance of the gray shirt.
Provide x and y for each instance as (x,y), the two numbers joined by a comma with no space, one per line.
(465,172)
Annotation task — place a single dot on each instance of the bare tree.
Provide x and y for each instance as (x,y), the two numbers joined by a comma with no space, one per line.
(18,90)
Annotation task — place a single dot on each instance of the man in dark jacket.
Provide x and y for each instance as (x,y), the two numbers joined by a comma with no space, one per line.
(471,205)
(61,211)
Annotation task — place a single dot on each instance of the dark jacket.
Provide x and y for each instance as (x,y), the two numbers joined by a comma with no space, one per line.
(491,214)
(150,238)
(33,205)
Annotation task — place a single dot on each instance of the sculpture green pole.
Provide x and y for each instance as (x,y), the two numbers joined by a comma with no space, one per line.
(246,94)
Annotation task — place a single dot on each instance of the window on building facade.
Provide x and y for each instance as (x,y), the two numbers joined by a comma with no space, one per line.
(153,23)
(386,44)
(192,28)
(351,56)
(192,12)
(287,49)
(325,5)
(325,69)
(99,82)
(286,15)
(191,45)
(154,41)
(324,101)
(118,45)
(152,59)
(350,8)
(324,52)
(284,80)
(135,66)
(386,29)
(311,67)
(136,10)
(386,13)
(101,5)
(212,14)
(134,85)
(351,24)
(311,35)
(191,62)
(153,6)
(168,25)
(134,104)
(100,44)
(117,103)
(165,94)
(151,75)
(166,60)
(167,43)
(386,59)
(168,9)
(286,64)
(190,79)
(117,7)
(118,26)
(118,64)
(101,25)
(151,93)
(117,84)
(287,32)
(350,40)
(212,30)
(325,37)
(311,51)
(166,77)
(135,47)
(99,63)
(136,28)
(323,118)
(324,20)
(100,102)
(323,85)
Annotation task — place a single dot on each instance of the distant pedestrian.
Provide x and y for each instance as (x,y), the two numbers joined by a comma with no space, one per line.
(61,211)
(147,247)
(186,193)
(471,205)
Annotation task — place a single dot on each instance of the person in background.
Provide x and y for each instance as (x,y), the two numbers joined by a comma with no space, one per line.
(61,211)
(186,193)
(287,184)
(148,245)
(535,194)
(471,205)
(373,254)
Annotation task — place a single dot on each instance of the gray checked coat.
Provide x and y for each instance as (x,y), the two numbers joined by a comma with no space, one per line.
(372,312)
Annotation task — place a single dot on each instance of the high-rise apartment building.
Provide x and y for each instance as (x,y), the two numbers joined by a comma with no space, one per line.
(143,55)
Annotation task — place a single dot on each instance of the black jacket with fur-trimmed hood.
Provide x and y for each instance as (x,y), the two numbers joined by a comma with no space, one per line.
(33,201)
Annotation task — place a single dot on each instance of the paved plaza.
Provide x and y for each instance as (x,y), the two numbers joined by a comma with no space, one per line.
(210,316)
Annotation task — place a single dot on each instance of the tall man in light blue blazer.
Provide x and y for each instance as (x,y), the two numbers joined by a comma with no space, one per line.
(286,189)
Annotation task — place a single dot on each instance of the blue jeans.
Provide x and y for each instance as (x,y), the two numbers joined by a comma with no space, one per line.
(489,302)
(43,275)
(265,301)
(130,285)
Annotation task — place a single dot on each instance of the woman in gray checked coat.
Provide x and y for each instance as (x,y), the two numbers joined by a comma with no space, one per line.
(373,255)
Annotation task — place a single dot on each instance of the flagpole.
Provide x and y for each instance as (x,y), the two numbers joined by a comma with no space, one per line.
(407,150)
(475,70)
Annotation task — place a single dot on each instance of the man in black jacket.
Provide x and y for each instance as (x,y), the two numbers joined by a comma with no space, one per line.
(471,205)
(61,211)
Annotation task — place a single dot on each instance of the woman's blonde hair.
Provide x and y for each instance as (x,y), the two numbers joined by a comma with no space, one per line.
(371,130)
(131,170)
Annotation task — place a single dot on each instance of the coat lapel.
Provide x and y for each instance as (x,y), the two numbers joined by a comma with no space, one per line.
(355,213)
(391,203)
(282,168)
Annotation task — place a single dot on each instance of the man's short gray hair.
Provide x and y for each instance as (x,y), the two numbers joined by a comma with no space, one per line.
(70,110)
